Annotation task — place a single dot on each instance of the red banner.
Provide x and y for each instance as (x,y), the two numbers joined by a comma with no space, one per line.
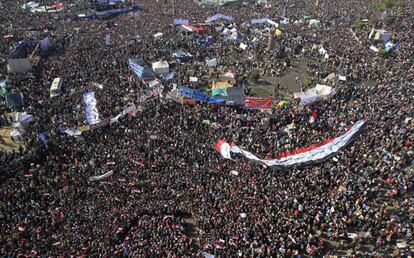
(258,102)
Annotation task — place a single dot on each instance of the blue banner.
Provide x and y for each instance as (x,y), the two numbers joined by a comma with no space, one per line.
(219,16)
(181,22)
(92,115)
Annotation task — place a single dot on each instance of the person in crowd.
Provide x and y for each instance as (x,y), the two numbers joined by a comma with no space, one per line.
(168,193)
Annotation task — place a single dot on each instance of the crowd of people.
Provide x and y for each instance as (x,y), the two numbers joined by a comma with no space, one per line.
(165,171)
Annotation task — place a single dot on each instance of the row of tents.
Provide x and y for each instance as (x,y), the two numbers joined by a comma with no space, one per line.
(235,96)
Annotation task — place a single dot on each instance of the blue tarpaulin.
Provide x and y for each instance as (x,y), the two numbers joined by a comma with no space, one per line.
(200,96)
(257,21)
(214,100)
(113,12)
(21,50)
(192,94)
(45,44)
(140,68)
(186,92)
(386,37)
(111,2)
(206,42)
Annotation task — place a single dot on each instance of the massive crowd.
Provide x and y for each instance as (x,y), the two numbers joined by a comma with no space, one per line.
(165,168)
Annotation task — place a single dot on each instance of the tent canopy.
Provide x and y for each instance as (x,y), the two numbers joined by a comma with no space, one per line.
(161,67)
(314,94)
(140,68)
(160,64)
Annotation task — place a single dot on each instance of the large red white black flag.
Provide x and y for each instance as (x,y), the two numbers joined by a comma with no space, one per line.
(313,153)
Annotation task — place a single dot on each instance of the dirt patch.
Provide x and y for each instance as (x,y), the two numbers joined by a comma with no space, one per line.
(293,78)
(290,82)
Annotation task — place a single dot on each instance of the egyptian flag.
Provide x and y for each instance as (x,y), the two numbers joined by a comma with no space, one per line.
(313,117)
(313,153)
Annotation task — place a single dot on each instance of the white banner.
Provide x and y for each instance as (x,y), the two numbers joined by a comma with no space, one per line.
(211,62)
(129,110)
(71,132)
(313,153)
(92,115)
(96,178)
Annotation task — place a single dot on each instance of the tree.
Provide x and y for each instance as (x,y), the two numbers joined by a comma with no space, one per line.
(390,6)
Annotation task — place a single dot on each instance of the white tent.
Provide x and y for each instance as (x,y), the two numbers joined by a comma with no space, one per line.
(324,91)
(161,67)
(314,94)
(322,51)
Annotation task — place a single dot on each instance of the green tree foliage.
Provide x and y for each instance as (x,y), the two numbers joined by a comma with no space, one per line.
(358,24)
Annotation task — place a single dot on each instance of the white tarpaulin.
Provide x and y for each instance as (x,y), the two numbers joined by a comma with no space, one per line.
(313,22)
(161,67)
(376,50)
(71,132)
(16,134)
(193,79)
(314,94)
(313,153)
(324,91)
(264,20)
(243,46)
(153,83)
